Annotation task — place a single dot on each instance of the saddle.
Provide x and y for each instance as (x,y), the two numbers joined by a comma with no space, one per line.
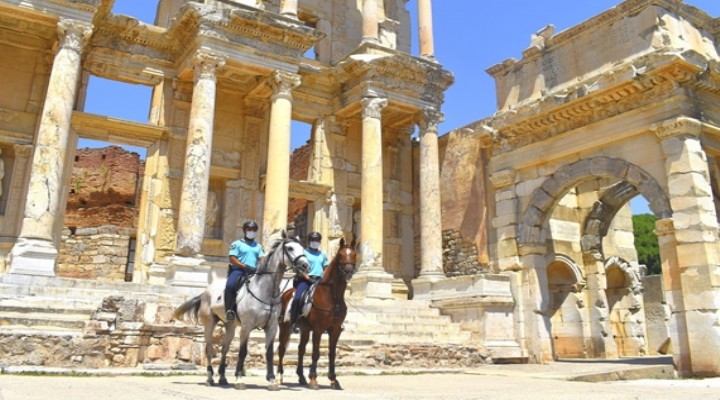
(217,295)
(305,303)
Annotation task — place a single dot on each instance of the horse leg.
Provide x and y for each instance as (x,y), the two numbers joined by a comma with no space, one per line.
(304,336)
(209,328)
(333,337)
(283,341)
(317,334)
(284,338)
(240,369)
(227,339)
(270,332)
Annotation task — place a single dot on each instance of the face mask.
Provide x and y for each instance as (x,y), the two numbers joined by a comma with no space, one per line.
(250,234)
(315,245)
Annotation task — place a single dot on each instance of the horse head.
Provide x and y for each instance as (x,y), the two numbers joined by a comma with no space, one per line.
(346,259)
(294,254)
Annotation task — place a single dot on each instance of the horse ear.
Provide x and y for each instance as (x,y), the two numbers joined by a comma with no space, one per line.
(284,235)
(352,244)
(342,242)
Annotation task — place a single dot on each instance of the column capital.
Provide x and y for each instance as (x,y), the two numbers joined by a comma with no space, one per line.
(501,179)
(23,150)
(664,227)
(206,64)
(428,120)
(283,84)
(677,127)
(372,107)
(73,34)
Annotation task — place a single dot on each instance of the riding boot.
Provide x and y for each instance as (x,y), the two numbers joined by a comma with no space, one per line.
(294,314)
(230,315)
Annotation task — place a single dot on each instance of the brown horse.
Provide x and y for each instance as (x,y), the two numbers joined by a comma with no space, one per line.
(326,315)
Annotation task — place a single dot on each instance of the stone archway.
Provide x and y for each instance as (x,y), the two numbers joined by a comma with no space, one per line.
(630,180)
(552,189)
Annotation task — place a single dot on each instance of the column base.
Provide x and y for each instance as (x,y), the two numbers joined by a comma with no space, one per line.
(33,257)
(422,286)
(371,284)
(186,271)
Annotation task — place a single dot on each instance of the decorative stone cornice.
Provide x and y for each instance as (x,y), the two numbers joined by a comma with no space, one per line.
(73,35)
(206,64)
(372,107)
(503,178)
(428,120)
(682,126)
(618,91)
(283,83)
(385,66)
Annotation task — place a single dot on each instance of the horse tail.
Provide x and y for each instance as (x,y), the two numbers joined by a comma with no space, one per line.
(188,309)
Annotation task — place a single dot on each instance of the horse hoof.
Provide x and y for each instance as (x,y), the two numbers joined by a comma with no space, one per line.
(302,382)
(223,382)
(273,387)
(314,386)
(209,382)
(240,386)
(335,385)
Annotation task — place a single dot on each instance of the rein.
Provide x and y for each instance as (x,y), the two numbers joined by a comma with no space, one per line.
(276,296)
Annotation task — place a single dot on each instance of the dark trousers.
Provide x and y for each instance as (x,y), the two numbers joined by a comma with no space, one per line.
(301,285)
(235,276)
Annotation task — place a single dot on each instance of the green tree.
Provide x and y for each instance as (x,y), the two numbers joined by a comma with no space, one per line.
(646,242)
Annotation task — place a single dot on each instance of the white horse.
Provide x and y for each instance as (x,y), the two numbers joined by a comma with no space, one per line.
(258,306)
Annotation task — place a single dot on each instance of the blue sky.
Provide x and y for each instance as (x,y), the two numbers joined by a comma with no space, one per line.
(470,36)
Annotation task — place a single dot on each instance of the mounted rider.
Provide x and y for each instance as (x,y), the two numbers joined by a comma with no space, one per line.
(318,260)
(245,254)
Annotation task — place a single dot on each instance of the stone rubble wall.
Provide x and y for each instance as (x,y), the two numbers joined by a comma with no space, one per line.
(460,256)
(130,333)
(99,253)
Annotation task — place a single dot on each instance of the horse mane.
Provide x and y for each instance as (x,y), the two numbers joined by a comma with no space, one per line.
(333,265)
(273,249)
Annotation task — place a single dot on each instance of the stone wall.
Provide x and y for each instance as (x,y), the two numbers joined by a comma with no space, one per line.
(128,333)
(100,253)
(104,188)
(460,256)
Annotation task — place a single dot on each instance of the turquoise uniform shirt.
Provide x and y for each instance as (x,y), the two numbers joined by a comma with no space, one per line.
(247,253)
(317,260)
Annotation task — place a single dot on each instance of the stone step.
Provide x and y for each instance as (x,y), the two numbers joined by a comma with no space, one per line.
(11,321)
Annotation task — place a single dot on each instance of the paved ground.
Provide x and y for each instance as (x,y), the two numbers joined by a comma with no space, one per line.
(497,382)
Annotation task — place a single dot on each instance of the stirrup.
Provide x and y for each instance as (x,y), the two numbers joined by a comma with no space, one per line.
(230,316)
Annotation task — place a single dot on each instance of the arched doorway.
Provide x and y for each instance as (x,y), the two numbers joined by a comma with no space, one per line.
(627,317)
(566,308)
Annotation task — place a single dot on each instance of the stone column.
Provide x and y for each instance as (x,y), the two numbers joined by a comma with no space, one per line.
(370,24)
(601,335)
(535,303)
(696,235)
(35,252)
(430,219)
(665,231)
(427,46)
(196,177)
(289,8)
(372,280)
(277,175)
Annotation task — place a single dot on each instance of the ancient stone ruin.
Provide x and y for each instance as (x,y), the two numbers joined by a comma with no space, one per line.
(509,239)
